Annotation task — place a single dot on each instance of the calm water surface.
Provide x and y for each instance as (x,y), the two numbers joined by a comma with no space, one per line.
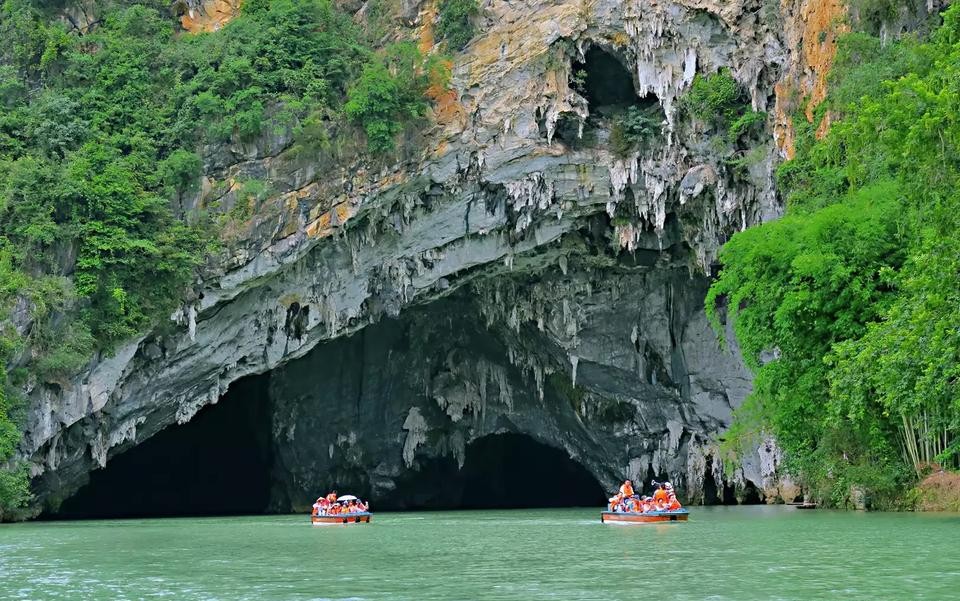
(737,554)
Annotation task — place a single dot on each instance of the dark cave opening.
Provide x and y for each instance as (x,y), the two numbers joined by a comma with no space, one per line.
(218,463)
(715,493)
(501,471)
(617,115)
(750,496)
(603,80)
(514,471)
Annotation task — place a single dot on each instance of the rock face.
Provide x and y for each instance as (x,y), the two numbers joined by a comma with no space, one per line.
(617,367)
(535,282)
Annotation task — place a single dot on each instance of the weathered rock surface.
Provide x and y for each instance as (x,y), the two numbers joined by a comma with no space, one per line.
(568,281)
(617,367)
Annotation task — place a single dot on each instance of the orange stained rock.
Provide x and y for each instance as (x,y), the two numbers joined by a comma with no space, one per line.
(327,223)
(820,23)
(427,17)
(783,133)
(824,21)
(213,15)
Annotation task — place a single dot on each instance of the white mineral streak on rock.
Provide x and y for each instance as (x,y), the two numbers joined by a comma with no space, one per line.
(192,322)
(98,450)
(416,428)
(124,432)
(675,431)
(574,362)
(458,447)
(696,467)
(104,378)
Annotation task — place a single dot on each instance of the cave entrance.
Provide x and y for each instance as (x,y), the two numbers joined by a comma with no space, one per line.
(218,463)
(504,471)
(500,471)
(609,88)
(603,80)
(717,493)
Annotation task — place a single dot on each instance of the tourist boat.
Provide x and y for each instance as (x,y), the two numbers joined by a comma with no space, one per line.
(330,519)
(342,518)
(650,517)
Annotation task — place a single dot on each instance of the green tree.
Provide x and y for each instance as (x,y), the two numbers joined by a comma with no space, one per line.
(456,24)
(850,298)
(390,92)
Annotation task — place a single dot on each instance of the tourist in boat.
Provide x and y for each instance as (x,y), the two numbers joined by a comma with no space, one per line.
(613,502)
(636,504)
(672,503)
(332,497)
(317,506)
(626,489)
(660,495)
(646,505)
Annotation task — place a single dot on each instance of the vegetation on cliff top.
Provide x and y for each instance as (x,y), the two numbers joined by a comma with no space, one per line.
(101,137)
(847,307)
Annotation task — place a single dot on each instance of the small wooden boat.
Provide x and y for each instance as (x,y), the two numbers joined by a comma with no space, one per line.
(650,517)
(340,518)
(804,505)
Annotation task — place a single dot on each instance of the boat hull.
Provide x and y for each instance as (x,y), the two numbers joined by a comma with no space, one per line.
(346,518)
(651,517)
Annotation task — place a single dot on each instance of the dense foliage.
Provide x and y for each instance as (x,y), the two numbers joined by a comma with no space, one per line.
(456,23)
(633,127)
(101,135)
(847,307)
(719,100)
(391,91)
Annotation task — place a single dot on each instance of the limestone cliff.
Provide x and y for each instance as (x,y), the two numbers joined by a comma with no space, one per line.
(544,285)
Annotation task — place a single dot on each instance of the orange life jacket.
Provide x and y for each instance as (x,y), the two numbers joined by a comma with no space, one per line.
(660,495)
(674,504)
(626,490)
(332,497)
(637,506)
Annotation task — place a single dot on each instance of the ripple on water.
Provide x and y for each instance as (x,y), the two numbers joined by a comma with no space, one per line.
(742,554)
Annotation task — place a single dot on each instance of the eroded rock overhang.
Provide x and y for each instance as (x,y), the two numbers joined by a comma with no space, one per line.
(488,198)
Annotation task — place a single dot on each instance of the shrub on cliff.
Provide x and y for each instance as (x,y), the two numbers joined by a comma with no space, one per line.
(456,24)
(633,127)
(391,91)
(719,100)
(716,96)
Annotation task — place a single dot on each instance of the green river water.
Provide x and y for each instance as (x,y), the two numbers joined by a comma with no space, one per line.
(736,553)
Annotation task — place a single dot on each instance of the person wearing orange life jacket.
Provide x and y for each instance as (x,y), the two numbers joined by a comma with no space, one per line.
(614,502)
(660,495)
(626,489)
(672,503)
(636,505)
(332,497)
